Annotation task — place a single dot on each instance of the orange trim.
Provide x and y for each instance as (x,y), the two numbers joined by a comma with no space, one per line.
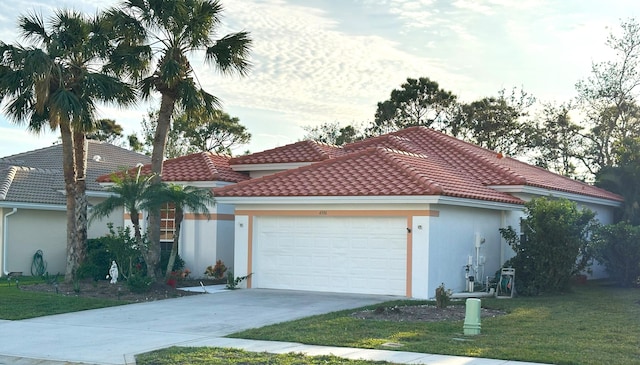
(409,257)
(341,213)
(128,216)
(250,253)
(213,217)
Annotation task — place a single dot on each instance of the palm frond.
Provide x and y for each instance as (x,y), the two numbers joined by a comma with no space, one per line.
(230,53)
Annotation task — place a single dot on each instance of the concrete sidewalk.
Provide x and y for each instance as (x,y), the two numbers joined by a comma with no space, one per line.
(113,336)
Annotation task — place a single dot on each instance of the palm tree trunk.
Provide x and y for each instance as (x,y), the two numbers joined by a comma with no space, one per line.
(174,247)
(163,125)
(80,155)
(69,173)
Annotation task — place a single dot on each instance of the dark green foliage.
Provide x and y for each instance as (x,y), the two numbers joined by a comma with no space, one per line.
(139,283)
(117,246)
(554,248)
(97,262)
(617,247)
(178,264)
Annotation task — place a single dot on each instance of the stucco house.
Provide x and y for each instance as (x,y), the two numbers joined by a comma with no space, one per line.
(397,214)
(33,203)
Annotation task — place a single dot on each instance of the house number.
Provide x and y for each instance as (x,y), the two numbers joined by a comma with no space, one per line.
(323,212)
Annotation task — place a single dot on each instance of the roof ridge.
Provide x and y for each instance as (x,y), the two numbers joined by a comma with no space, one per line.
(210,164)
(392,157)
(6,183)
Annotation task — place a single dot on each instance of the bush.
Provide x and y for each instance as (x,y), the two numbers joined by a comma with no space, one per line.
(138,283)
(119,245)
(178,264)
(443,296)
(96,264)
(554,247)
(617,247)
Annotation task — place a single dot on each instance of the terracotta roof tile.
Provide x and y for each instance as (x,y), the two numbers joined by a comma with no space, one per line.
(303,151)
(369,172)
(486,166)
(202,166)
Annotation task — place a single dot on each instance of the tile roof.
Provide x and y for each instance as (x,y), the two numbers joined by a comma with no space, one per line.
(36,176)
(454,168)
(303,151)
(373,171)
(201,166)
(488,167)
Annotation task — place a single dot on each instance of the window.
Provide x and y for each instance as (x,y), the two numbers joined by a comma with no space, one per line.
(167,224)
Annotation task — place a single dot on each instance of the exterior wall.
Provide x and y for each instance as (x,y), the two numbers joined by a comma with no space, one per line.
(2,213)
(99,228)
(452,241)
(31,230)
(204,241)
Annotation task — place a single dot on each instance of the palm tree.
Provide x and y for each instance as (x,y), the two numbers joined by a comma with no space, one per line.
(184,197)
(134,193)
(57,81)
(167,31)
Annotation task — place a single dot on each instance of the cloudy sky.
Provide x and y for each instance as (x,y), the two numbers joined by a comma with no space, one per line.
(318,61)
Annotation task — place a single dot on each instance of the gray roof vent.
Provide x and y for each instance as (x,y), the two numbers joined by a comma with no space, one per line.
(97,158)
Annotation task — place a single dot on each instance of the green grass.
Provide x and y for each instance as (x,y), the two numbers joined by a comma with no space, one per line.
(18,304)
(595,324)
(222,356)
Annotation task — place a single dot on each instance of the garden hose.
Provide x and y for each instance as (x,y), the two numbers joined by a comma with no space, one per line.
(38,265)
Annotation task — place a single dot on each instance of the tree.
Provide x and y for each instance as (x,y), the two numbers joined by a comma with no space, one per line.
(557,140)
(168,31)
(57,81)
(417,102)
(554,247)
(219,133)
(134,193)
(184,197)
(107,130)
(617,247)
(193,132)
(495,123)
(624,179)
(333,133)
(609,98)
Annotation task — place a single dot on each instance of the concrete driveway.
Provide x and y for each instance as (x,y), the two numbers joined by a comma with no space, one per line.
(113,335)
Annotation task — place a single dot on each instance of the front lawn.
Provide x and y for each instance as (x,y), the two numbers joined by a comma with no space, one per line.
(219,356)
(19,304)
(595,324)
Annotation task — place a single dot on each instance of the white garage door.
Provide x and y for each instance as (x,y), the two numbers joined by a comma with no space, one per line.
(335,254)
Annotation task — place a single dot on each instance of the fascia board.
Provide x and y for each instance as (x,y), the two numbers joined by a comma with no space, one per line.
(411,199)
(524,189)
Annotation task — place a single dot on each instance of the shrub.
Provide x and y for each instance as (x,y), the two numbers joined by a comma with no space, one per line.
(617,247)
(138,283)
(443,296)
(118,245)
(217,271)
(554,247)
(178,264)
(98,260)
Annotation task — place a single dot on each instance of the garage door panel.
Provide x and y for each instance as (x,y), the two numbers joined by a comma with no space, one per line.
(346,254)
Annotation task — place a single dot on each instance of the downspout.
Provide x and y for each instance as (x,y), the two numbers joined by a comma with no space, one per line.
(4,240)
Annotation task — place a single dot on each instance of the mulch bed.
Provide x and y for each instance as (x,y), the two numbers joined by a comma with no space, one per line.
(421,313)
(103,289)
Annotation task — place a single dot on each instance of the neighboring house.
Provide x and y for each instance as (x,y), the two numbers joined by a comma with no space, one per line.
(397,214)
(33,203)
(202,240)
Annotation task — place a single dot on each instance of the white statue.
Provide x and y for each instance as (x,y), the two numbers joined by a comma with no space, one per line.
(113,272)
